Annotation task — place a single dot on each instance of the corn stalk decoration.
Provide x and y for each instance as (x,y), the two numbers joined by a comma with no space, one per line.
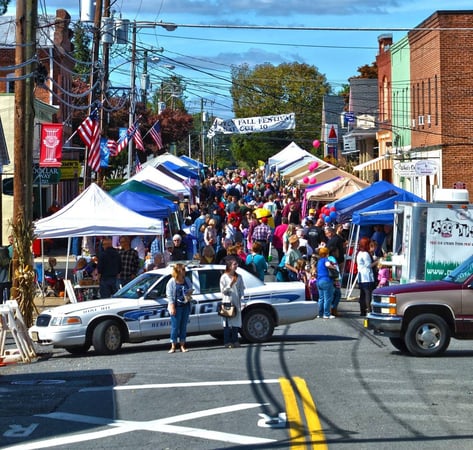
(23,289)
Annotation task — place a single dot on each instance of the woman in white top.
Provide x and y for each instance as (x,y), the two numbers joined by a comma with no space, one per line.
(366,283)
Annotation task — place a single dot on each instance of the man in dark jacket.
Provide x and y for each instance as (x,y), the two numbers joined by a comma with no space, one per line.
(109,267)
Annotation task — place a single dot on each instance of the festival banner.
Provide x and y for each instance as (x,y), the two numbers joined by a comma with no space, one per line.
(248,125)
(50,153)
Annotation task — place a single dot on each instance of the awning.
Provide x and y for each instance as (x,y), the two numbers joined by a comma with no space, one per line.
(379,163)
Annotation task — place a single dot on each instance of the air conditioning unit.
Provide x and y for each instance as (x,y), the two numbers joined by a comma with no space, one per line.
(420,120)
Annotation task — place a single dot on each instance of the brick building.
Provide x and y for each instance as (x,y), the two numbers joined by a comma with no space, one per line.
(425,95)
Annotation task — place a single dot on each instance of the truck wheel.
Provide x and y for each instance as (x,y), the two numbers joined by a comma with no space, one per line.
(258,326)
(107,338)
(427,335)
(399,344)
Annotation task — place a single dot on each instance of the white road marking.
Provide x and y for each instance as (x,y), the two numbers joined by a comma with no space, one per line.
(159,425)
(179,385)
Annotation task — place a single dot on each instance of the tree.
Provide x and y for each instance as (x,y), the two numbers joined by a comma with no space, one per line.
(3,6)
(368,71)
(267,90)
(82,44)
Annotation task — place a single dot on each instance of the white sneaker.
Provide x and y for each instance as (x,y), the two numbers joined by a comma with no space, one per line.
(329,317)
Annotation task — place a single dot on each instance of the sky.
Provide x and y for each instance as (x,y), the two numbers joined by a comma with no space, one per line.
(203,51)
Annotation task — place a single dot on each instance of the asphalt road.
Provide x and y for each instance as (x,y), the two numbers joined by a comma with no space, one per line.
(317,384)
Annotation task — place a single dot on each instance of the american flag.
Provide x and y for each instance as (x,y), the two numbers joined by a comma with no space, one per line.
(138,166)
(89,132)
(112,147)
(138,138)
(155,132)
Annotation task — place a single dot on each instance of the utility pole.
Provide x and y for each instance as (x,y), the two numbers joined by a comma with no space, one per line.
(93,79)
(26,23)
(202,137)
(131,111)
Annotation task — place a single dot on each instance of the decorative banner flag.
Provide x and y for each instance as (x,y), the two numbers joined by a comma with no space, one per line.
(89,132)
(104,152)
(155,132)
(51,145)
(248,125)
(126,135)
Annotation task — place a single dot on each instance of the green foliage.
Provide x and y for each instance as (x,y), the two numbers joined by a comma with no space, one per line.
(267,90)
(82,41)
(3,6)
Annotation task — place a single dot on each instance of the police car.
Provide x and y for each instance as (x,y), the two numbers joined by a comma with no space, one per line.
(138,312)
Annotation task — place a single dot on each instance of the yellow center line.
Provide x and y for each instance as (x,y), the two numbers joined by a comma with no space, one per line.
(316,432)
(297,430)
(296,427)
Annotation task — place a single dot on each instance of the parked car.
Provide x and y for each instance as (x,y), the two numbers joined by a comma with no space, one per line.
(422,317)
(138,312)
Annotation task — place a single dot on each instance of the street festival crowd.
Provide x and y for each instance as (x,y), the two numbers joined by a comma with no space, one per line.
(241,219)
(244,217)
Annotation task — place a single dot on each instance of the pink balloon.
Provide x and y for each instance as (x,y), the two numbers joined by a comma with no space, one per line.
(305,180)
(316,143)
(316,164)
(313,180)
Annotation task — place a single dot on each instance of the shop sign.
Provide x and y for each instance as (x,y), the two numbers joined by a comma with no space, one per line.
(45,175)
(70,170)
(416,168)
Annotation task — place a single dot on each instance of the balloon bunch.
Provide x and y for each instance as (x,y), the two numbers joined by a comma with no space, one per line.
(312,180)
(328,214)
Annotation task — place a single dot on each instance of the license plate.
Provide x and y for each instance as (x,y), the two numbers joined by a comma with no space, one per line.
(34,336)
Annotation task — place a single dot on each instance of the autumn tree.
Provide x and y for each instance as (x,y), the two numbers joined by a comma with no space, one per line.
(267,90)
(368,71)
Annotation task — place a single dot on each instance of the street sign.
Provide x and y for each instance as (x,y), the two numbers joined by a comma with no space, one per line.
(350,117)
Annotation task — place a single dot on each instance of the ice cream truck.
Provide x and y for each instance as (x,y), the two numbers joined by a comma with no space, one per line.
(431,239)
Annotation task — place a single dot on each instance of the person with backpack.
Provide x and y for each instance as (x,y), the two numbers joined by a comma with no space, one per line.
(256,262)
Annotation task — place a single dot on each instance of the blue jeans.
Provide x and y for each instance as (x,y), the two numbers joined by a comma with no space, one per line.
(230,335)
(337,295)
(326,290)
(179,324)
(108,287)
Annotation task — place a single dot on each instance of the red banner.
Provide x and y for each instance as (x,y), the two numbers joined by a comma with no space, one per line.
(51,145)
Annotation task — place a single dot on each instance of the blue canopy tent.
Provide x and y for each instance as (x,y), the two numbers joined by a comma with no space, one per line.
(146,204)
(376,213)
(378,191)
(183,171)
(382,212)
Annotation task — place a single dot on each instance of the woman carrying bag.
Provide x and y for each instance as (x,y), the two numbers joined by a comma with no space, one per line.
(179,296)
(232,289)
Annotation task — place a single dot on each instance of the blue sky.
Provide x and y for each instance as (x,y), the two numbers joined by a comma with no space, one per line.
(203,56)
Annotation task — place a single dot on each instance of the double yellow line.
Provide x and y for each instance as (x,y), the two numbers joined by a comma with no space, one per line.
(308,435)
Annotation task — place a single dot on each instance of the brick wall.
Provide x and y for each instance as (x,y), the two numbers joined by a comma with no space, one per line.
(442,88)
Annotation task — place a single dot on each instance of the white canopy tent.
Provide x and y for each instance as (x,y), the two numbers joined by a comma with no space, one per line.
(154,177)
(95,213)
(291,153)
